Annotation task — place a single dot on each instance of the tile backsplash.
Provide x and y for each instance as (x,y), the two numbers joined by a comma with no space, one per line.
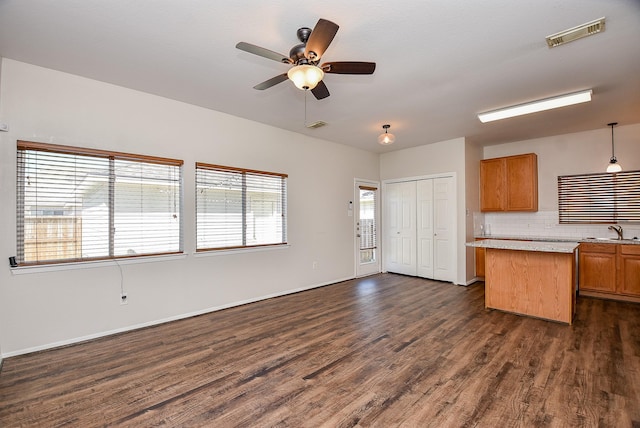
(543,224)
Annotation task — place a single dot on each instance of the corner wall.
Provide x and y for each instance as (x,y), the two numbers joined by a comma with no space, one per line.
(50,308)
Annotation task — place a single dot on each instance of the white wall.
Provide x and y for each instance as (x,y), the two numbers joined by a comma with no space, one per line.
(578,153)
(444,157)
(39,310)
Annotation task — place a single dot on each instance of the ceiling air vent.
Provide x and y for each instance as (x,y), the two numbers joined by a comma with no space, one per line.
(317,124)
(576,33)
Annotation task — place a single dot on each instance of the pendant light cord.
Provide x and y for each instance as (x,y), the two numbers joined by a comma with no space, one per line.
(613,149)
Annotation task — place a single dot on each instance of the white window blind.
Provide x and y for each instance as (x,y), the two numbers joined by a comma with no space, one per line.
(367,218)
(239,208)
(77,204)
(599,198)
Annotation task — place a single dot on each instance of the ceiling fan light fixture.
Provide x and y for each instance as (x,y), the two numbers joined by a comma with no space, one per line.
(536,106)
(386,138)
(613,166)
(305,76)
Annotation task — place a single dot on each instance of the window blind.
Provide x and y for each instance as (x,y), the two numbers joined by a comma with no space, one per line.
(238,208)
(367,218)
(599,198)
(78,204)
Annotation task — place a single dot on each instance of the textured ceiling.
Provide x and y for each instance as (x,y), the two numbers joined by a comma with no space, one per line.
(439,62)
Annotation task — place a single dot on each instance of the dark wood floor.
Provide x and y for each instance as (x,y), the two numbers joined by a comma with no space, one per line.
(385,351)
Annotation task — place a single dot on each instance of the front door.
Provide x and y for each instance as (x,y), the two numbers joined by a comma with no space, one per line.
(367,248)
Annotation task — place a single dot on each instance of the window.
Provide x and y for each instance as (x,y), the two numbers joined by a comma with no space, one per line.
(237,208)
(367,224)
(599,198)
(77,204)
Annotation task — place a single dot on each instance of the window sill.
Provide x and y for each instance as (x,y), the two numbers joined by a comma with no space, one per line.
(208,253)
(94,264)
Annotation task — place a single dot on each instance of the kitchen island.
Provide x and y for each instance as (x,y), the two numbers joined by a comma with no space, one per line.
(531,278)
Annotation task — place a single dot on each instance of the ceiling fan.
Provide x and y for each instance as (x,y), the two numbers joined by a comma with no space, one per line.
(306,74)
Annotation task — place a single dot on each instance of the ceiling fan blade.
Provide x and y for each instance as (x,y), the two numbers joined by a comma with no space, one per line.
(320,91)
(349,67)
(271,82)
(266,53)
(320,38)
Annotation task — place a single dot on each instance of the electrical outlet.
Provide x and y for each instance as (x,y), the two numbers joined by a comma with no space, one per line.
(124,299)
(315,265)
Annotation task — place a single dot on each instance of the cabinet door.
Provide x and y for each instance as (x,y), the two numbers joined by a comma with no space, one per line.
(598,267)
(492,184)
(480,253)
(522,182)
(629,274)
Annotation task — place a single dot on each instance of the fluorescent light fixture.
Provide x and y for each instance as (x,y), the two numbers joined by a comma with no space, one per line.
(536,106)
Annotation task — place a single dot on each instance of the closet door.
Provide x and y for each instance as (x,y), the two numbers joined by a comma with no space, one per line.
(425,232)
(444,215)
(400,228)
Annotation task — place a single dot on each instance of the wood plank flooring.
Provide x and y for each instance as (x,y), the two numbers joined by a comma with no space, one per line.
(383,351)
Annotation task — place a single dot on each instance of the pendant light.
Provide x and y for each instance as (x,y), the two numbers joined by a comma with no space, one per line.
(613,166)
(386,138)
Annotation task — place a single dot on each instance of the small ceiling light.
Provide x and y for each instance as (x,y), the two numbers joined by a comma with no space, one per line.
(305,76)
(536,106)
(386,138)
(613,166)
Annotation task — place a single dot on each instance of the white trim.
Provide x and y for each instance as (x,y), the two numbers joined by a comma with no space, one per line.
(355,215)
(420,177)
(164,320)
(21,270)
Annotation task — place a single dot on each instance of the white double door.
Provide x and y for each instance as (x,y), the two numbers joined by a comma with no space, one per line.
(419,218)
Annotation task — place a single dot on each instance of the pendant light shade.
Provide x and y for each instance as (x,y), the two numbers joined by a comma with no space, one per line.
(305,76)
(613,166)
(386,138)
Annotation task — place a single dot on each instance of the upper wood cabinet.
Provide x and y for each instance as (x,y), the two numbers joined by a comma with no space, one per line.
(509,183)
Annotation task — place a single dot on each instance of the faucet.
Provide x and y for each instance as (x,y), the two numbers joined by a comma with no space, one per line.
(618,230)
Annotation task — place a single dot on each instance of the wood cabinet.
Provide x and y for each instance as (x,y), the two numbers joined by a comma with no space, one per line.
(546,290)
(509,183)
(629,270)
(610,270)
(598,267)
(480,258)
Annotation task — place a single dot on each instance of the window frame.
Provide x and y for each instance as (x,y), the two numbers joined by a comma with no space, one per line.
(113,157)
(201,167)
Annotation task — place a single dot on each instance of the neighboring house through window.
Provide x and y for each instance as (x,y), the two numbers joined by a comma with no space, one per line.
(78,204)
(238,208)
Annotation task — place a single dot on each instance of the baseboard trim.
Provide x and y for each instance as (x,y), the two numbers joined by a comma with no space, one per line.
(161,321)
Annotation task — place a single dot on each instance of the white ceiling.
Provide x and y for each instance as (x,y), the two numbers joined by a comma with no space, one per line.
(439,62)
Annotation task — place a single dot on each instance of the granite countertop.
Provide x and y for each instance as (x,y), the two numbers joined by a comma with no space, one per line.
(530,238)
(634,241)
(539,246)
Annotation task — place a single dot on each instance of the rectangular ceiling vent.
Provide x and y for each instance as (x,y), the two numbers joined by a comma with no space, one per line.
(317,124)
(576,33)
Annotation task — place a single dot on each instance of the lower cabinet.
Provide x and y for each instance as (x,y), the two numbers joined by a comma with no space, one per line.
(598,267)
(629,270)
(610,270)
(480,253)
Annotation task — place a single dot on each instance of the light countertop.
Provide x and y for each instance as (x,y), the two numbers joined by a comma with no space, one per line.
(540,246)
(634,241)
